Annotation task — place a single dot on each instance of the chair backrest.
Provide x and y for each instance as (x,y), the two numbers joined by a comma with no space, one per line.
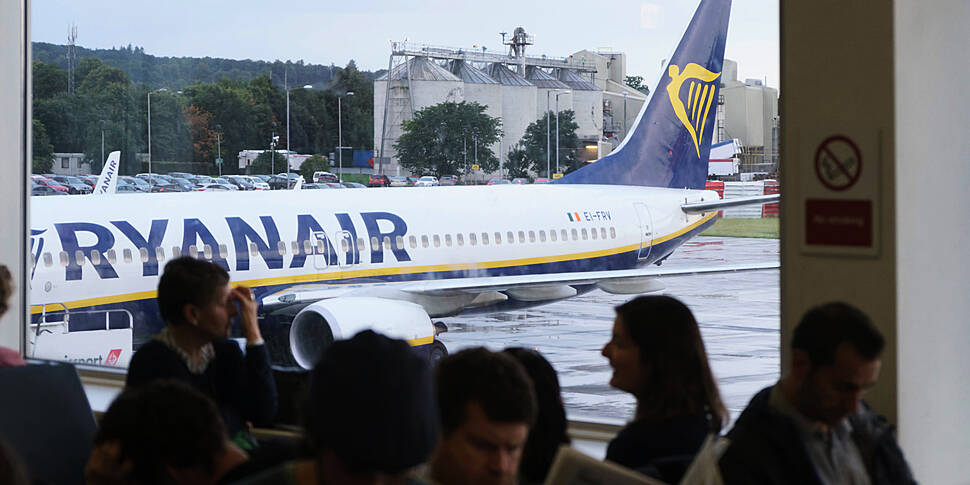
(45,417)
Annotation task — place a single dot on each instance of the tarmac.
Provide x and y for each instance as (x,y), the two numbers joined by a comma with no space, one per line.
(739,316)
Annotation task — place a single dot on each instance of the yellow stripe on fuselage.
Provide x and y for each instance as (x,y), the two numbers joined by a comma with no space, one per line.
(400,270)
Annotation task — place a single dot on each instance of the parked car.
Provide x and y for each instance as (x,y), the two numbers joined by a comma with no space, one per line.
(138,183)
(41,189)
(334,185)
(427,181)
(160,185)
(91,180)
(316,186)
(74,185)
(216,187)
(324,177)
(43,180)
(182,175)
(284,181)
(353,185)
(258,183)
(378,180)
(241,182)
(412,180)
(126,189)
(520,181)
(448,180)
(541,180)
(400,182)
(498,181)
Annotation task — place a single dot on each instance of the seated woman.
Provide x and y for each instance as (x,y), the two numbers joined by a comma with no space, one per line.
(658,356)
(197,304)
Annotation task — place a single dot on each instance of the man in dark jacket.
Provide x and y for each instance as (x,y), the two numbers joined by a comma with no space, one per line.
(812,427)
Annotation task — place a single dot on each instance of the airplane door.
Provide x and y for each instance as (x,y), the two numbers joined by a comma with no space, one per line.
(346,249)
(322,255)
(646,230)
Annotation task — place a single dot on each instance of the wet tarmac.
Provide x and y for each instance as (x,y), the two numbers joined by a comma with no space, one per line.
(738,314)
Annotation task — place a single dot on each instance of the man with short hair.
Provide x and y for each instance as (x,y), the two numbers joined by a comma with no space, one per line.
(487,406)
(812,427)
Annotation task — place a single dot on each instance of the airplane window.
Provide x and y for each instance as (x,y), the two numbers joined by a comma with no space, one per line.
(344,245)
(448,240)
(206,252)
(387,242)
(63,258)
(575,235)
(307,247)
(160,253)
(552,235)
(48,260)
(424,241)
(532,236)
(127,255)
(321,248)
(95,257)
(521,237)
(472,238)
(602,233)
(360,243)
(143,254)
(612,233)
(460,239)
(374,244)
(593,232)
(585,234)
(509,237)
(413,241)
(437,241)
(542,236)
(484,238)
(79,257)
(111,255)
(498,238)
(296,247)
(399,242)
(281,248)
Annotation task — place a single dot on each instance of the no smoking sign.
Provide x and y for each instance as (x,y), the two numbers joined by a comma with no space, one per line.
(838,163)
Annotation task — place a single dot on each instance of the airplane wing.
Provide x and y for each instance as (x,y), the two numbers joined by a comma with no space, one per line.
(612,281)
(109,175)
(702,207)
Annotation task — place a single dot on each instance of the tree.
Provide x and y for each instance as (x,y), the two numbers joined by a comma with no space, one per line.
(534,143)
(636,82)
(48,80)
(437,140)
(516,165)
(316,163)
(43,161)
(202,135)
(267,163)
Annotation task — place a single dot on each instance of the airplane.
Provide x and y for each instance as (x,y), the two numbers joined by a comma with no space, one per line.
(326,264)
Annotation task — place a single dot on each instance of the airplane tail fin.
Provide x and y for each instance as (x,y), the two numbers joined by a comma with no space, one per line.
(670,142)
(108,179)
(299,183)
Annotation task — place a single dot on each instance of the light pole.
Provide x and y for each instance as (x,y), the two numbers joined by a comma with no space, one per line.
(102,141)
(548,123)
(219,144)
(305,86)
(340,139)
(272,150)
(160,90)
(559,93)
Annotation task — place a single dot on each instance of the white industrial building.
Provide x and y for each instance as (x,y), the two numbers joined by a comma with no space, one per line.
(748,111)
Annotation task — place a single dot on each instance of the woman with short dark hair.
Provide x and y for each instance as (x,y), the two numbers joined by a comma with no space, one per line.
(657,355)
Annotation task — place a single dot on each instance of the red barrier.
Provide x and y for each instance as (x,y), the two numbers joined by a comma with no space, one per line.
(717,186)
(771,210)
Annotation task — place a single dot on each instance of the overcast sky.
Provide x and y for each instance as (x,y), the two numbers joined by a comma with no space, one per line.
(324,32)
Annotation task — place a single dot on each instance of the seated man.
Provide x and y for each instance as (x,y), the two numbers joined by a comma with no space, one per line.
(487,406)
(370,416)
(197,304)
(812,427)
(163,432)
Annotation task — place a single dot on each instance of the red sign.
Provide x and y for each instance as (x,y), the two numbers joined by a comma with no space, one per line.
(831,222)
(113,356)
(838,163)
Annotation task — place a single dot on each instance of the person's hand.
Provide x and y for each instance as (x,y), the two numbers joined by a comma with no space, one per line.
(247,313)
(105,466)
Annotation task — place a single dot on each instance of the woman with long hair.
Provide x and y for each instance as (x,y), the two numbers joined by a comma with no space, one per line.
(657,355)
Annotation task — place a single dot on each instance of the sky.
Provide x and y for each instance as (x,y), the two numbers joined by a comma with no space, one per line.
(325,32)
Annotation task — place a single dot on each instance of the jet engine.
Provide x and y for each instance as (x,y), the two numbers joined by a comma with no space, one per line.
(321,323)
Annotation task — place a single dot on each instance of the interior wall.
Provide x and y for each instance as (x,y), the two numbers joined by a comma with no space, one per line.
(13,168)
(933,234)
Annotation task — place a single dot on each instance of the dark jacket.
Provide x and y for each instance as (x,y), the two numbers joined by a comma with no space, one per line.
(661,449)
(767,449)
(242,387)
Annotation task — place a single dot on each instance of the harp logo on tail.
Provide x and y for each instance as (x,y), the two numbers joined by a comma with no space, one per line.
(700,95)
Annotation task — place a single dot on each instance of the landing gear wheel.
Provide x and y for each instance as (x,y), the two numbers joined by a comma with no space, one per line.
(438,351)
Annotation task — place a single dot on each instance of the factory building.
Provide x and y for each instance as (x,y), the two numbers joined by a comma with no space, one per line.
(748,111)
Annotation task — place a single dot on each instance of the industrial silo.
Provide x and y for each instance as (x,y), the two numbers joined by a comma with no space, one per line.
(546,89)
(479,88)
(587,105)
(410,86)
(518,105)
